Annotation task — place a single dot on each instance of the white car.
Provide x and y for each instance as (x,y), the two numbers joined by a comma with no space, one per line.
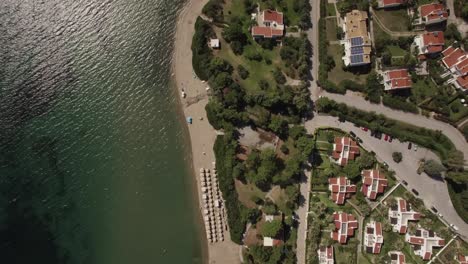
(415,147)
(454,227)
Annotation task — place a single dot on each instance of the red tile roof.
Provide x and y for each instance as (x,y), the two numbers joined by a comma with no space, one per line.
(273,16)
(266,32)
(343,221)
(452,56)
(433,11)
(392,2)
(462,259)
(374,183)
(433,38)
(341,188)
(344,149)
(463,81)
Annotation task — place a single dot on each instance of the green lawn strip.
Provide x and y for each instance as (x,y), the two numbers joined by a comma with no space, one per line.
(394,20)
(396,51)
(234,8)
(331,11)
(347,253)
(337,74)
(331,29)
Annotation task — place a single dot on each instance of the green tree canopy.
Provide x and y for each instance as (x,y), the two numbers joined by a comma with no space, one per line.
(433,168)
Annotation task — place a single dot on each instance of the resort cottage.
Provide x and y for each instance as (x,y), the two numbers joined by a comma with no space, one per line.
(373,238)
(344,149)
(400,214)
(325,255)
(397,257)
(429,43)
(270,25)
(456,62)
(340,188)
(432,14)
(357,41)
(345,224)
(461,259)
(373,183)
(424,241)
(395,80)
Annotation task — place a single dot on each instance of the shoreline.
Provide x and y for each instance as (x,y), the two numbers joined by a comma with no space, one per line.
(201,135)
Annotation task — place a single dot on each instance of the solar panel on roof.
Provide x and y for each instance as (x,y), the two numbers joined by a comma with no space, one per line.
(356,41)
(357,50)
(357,59)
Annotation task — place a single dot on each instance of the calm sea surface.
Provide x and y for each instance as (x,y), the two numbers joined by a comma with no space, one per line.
(92,152)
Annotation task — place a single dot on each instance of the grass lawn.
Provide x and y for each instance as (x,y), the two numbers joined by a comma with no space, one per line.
(234,8)
(331,9)
(462,113)
(337,74)
(258,69)
(394,20)
(424,89)
(246,192)
(331,29)
(396,51)
(346,253)
(456,247)
(378,32)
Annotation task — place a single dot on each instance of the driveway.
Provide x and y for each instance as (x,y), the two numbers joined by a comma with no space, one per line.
(355,100)
(432,192)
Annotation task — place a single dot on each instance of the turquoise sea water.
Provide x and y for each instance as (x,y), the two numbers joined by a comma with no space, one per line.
(92,154)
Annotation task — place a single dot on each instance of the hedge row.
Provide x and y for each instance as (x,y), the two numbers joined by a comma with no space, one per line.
(428,138)
(225,153)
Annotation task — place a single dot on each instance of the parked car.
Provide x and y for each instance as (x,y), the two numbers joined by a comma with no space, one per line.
(410,145)
(359,140)
(415,147)
(390,139)
(352,134)
(386,137)
(434,209)
(454,227)
(405,183)
(385,164)
(372,133)
(415,192)
(364,129)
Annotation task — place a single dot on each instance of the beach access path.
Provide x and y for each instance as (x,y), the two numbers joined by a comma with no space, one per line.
(202,135)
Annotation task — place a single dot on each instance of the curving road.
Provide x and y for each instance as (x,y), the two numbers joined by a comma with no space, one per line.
(357,101)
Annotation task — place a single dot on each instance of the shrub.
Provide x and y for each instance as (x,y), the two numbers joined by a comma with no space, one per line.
(202,54)
(225,151)
(243,72)
(397,157)
(398,103)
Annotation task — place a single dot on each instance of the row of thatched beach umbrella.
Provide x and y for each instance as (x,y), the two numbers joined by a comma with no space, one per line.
(213,211)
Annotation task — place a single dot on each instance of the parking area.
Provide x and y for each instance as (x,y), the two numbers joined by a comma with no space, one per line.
(433,192)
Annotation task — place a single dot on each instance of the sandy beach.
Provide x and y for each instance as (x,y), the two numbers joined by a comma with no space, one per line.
(202,135)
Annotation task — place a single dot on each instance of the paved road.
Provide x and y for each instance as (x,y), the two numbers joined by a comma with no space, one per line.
(353,99)
(432,192)
(312,35)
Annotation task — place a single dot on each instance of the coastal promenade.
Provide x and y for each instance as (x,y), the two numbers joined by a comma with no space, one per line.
(202,135)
